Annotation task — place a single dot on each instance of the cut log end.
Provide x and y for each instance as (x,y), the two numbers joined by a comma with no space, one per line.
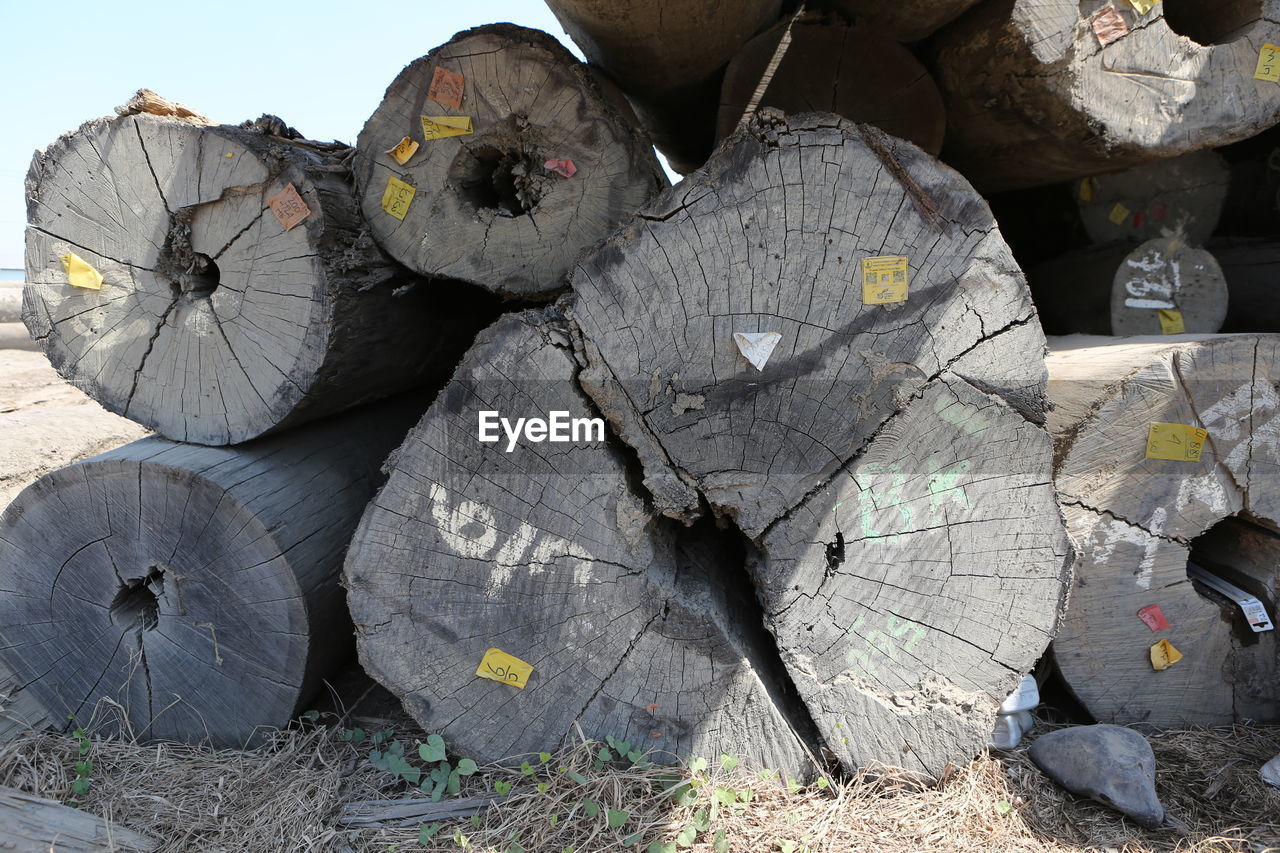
(1165,286)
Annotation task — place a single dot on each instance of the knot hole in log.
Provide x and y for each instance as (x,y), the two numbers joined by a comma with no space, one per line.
(190,273)
(501,171)
(137,603)
(1221,551)
(1209,22)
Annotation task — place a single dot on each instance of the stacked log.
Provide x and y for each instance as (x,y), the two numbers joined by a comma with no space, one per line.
(1039,91)
(1180,197)
(496,158)
(829,66)
(197,587)
(217,283)
(1139,518)
(904,20)
(668,59)
(842,464)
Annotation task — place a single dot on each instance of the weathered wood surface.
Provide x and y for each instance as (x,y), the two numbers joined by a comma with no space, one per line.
(832,67)
(1180,197)
(635,627)
(195,586)
(1252,271)
(1167,274)
(904,20)
(487,208)
(1032,97)
(214,323)
(883,456)
(1136,521)
(668,58)
(30,824)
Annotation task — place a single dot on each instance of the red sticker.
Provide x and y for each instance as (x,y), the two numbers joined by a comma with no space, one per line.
(561,167)
(446,87)
(1154,618)
(289,207)
(1139,218)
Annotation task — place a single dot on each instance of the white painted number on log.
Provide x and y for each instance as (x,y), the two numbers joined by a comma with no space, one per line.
(884,280)
(397,197)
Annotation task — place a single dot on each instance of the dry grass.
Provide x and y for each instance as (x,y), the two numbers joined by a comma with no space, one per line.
(286,794)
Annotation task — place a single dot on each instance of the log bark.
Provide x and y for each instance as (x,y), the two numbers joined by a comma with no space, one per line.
(882,455)
(1137,522)
(832,67)
(635,627)
(904,20)
(30,824)
(1180,197)
(1032,97)
(214,322)
(487,206)
(668,59)
(195,586)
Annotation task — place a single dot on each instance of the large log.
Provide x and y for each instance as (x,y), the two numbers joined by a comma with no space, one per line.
(829,66)
(30,824)
(486,206)
(881,458)
(214,322)
(195,586)
(1033,97)
(1180,197)
(1138,522)
(904,20)
(635,627)
(669,60)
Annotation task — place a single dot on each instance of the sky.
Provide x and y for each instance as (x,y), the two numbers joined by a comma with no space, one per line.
(322,66)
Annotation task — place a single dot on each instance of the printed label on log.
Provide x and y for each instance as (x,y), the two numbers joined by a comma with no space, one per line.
(397,197)
(1175,442)
(1153,617)
(1164,655)
(1171,322)
(80,273)
(1268,67)
(404,150)
(446,87)
(442,127)
(1109,26)
(497,665)
(1119,214)
(288,207)
(1143,6)
(884,280)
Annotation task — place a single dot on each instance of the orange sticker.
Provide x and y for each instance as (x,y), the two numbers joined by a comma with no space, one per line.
(288,206)
(404,150)
(446,87)
(1109,26)
(561,167)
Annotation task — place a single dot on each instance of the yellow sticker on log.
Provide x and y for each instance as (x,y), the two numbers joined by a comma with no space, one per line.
(1164,655)
(397,197)
(1143,6)
(884,280)
(404,149)
(497,665)
(1119,214)
(1175,442)
(80,273)
(1171,322)
(1087,190)
(1268,64)
(442,127)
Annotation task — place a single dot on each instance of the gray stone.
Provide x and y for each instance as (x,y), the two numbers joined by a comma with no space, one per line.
(1270,772)
(1110,764)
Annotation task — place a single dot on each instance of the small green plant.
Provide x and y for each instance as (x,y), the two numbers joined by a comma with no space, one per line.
(436,776)
(83,767)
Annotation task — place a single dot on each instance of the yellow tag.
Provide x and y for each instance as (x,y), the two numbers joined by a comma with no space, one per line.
(1143,6)
(397,197)
(884,280)
(404,149)
(1119,214)
(440,127)
(1175,442)
(1086,190)
(1164,655)
(79,273)
(1268,64)
(497,665)
(1171,322)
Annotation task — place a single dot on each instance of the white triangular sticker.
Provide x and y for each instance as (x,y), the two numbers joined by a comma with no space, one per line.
(756,347)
